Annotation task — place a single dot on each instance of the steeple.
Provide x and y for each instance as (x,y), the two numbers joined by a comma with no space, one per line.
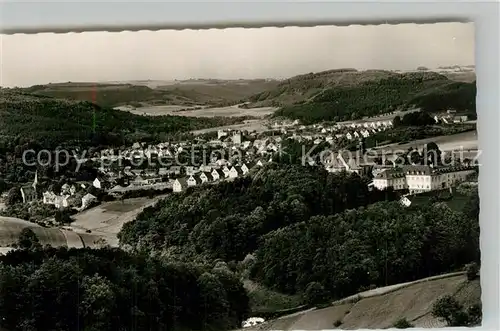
(35,182)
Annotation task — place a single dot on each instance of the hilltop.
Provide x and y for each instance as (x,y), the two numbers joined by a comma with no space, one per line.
(51,122)
(349,94)
(206,92)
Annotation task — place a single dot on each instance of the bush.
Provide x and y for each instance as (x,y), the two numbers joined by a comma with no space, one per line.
(314,294)
(472,270)
(450,310)
(337,323)
(402,324)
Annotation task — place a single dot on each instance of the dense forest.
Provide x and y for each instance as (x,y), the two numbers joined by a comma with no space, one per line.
(108,289)
(229,220)
(430,92)
(295,230)
(30,121)
(379,245)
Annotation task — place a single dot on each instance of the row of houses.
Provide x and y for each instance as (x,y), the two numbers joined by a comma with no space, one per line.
(214,176)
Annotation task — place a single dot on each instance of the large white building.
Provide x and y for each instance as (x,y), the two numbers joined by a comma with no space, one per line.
(419,179)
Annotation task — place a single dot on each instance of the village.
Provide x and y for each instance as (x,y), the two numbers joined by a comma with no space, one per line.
(150,170)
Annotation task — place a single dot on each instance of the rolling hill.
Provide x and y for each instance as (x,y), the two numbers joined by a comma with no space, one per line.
(346,94)
(51,122)
(205,92)
(11,228)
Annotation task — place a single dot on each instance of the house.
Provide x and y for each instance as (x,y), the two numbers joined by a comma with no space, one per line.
(349,136)
(405,201)
(180,184)
(394,177)
(245,169)
(317,141)
(260,163)
(87,200)
(193,180)
(49,198)
(139,181)
(237,138)
(225,170)
(97,183)
(235,172)
(190,170)
(205,168)
(221,133)
(356,134)
(175,170)
(162,171)
(206,177)
(460,119)
(217,174)
(334,162)
(150,173)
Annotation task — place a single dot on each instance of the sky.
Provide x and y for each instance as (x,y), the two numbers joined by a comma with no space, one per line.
(230,53)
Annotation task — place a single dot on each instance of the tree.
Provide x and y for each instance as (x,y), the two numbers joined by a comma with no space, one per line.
(450,310)
(433,153)
(3,186)
(402,324)
(314,294)
(28,240)
(98,302)
(14,196)
(63,216)
(472,269)
(396,122)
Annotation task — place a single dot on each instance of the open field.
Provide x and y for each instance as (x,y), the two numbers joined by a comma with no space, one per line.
(456,142)
(250,125)
(230,111)
(11,228)
(412,301)
(156,92)
(107,219)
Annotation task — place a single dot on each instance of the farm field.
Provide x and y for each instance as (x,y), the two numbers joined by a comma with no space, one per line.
(380,311)
(230,111)
(107,219)
(456,142)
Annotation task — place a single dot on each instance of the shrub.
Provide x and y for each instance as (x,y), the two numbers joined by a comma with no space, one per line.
(402,323)
(337,323)
(450,310)
(314,293)
(472,270)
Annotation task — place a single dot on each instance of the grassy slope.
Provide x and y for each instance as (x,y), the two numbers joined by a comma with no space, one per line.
(413,303)
(187,93)
(337,94)
(303,87)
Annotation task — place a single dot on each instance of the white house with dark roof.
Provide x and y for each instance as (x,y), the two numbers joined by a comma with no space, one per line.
(225,170)
(193,180)
(217,174)
(206,177)
(235,172)
(180,184)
